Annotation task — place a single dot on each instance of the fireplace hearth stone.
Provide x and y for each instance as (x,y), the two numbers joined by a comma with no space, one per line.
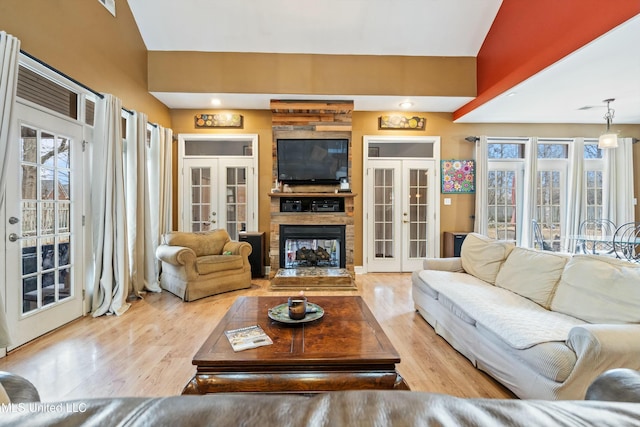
(313,278)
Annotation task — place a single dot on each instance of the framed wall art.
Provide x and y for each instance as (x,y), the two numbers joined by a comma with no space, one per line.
(218,120)
(458,176)
(400,121)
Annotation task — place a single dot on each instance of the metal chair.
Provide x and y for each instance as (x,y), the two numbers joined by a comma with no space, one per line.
(596,237)
(626,241)
(539,242)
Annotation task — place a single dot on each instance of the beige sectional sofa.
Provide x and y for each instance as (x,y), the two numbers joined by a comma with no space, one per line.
(544,324)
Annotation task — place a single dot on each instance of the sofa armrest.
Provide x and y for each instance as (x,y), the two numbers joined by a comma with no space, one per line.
(238,248)
(444,264)
(600,347)
(616,385)
(19,389)
(176,255)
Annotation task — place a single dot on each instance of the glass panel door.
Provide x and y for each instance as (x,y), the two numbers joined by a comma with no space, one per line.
(236,194)
(418,215)
(384,221)
(384,213)
(418,222)
(217,194)
(400,222)
(201,208)
(44,212)
(45,204)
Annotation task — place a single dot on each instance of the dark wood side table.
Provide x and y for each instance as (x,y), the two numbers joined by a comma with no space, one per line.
(453,243)
(257,256)
(344,350)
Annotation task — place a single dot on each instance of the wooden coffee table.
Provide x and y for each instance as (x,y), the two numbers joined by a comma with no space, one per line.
(344,350)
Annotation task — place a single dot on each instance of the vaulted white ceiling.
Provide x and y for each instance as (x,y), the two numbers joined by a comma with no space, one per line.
(608,67)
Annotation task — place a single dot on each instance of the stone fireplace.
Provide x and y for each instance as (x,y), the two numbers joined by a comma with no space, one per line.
(312,246)
(333,231)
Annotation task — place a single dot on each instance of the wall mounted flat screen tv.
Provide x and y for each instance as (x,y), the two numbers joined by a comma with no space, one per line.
(312,161)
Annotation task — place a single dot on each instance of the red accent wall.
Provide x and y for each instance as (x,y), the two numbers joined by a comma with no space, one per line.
(529,35)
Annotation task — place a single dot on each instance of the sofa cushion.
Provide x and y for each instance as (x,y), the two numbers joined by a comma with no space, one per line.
(215,263)
(519,322)
(532,274)
(553,359)
(482,256)
(599,289)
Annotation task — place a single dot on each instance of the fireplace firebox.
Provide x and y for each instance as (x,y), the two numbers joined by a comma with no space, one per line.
(312,246)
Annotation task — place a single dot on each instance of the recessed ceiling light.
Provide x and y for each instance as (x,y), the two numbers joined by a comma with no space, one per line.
(216,102)
(510,94)
(406,104)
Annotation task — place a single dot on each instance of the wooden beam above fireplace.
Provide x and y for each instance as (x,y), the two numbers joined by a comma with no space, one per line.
(316,116)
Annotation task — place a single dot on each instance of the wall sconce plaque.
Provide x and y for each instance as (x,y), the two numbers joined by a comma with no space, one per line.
(399,121)
(218,120)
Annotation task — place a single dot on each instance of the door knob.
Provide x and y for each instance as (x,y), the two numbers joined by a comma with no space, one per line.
(13,237)
(13,220)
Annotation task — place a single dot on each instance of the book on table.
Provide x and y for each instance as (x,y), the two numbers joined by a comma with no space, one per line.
(246,338)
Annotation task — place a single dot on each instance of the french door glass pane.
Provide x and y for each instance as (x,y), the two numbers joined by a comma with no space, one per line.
(236,199)
(418,204)
(384,213)
(548,207)
(593,180)
(501,205)
(46,228)
(200,198)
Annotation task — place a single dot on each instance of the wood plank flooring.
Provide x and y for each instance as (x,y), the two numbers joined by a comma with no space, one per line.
(148,350)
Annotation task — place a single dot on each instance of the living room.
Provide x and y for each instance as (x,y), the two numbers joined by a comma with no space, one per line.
(108,54)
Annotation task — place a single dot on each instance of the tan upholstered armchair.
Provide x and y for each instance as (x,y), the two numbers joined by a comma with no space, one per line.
(197,265)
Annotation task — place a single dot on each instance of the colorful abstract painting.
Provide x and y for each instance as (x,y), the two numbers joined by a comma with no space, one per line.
(458,176)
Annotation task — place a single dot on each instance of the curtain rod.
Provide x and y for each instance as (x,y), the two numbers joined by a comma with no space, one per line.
(55,70)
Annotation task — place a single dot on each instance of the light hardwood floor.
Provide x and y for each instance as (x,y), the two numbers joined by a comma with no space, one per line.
(148,350)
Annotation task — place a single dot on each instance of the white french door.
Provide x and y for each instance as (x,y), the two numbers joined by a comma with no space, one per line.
(400,223)
(401,193)
(218,193)
(44,231)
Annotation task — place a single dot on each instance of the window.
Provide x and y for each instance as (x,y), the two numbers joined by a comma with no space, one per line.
(46,87)
(46,93)
(551,189)
(506,170)
(593,178)
(521,189)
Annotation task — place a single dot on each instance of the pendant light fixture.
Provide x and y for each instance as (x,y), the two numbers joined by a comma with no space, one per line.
(608,139)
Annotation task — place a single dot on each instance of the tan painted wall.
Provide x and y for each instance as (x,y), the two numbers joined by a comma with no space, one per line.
(84,41)
(212,72)
(455,217)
